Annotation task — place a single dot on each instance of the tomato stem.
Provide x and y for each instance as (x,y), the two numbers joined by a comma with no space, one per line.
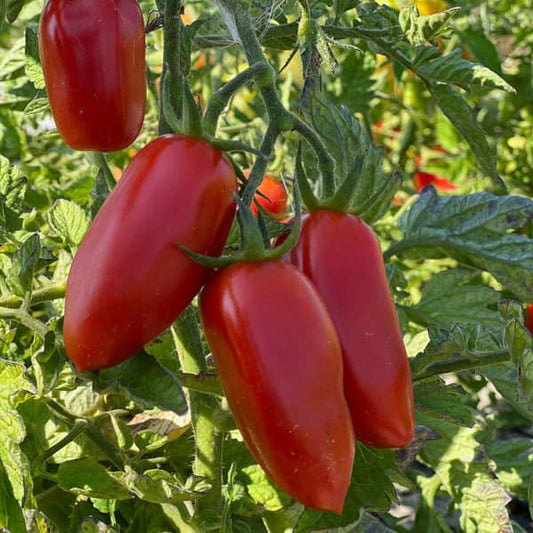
(208,436)
(171,78)
(462,363)
(44,294)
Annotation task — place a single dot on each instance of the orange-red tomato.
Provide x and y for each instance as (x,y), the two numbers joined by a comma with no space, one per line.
(280,364)
(273,197)
(92,53)
(129,279)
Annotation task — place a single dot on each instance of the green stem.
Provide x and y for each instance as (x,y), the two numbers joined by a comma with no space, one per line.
(220,99)
(44,294)
(462,363)
(171,77)
(114,454)
(77,429)
(99,159)
(204,408)
(203,382)
(25,319)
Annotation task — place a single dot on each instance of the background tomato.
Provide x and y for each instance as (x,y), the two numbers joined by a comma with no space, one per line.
(279,362)
(93,58)
(529,318)
(342,256)
(129,280)
(274,196)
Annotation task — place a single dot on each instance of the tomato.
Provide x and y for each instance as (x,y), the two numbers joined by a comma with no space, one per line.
(529,318)
(279,362)
(92,53)
(342,256)
(423,179)
(129,280)
(273,197)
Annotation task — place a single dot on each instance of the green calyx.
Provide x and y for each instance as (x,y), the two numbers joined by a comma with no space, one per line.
(255,246)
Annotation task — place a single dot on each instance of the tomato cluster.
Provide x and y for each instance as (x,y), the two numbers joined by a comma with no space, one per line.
(308,347)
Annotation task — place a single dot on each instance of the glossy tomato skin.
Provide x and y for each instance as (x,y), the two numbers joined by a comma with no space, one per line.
(342,257)
(279,362)
(129,280)
(93,58)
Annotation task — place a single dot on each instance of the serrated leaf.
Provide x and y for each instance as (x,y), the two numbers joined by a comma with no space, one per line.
(143,379)
(12,61)
(36,106)
(13,463)
(23,266)
(262,491)
(452,68)
(452,297)
(371,488)
(514,463)
(459,113)
(475,230)
(33,64)
(11,516)
(12,193)
(160,486)
(433,399)
(90,478)
(421,28)
(358,161)
(464,472)
(13,9)
(69,222)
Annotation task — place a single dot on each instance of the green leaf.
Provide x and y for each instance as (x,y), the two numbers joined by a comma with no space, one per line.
(434,399)
(460,114)
(2,11)
(160,486)
(475,230)
(143,379)
(33,64)
(23,266)
(452,68)
(14,468)
(12,193)
(90,478)
(514,463)
(463,469)
(371,488)
(421,28)
(362,185)
(36,106)
(69,222)
(13,8)
(12,61)
(11,516)
(481,47)
(456,296)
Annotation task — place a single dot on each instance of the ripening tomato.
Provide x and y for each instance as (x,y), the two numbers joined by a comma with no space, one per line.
(273,197)
(129,280)
(280,364)
(342,257)
(529,318)
(423,179)
(93,58)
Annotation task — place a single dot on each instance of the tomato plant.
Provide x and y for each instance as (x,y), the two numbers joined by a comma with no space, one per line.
(342,257)
(93,58)
(129,280)
(284,389)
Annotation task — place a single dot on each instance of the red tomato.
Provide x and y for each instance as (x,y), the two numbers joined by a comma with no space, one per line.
(529,318)
(276,196)
(92,53)
(423,179)
(342,256)
(129,280)
(280,365)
